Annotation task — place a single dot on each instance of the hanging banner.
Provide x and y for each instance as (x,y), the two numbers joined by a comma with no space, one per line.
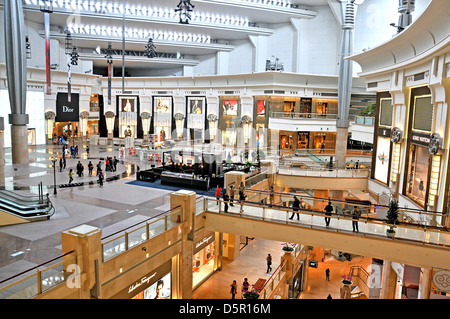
(48,88)
(69,79)
(109,83)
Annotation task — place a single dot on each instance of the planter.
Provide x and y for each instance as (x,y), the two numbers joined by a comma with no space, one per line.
(251,295)
(346,282)
(390,234)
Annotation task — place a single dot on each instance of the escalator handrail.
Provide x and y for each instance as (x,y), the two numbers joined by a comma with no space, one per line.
(23,206)
(16,195)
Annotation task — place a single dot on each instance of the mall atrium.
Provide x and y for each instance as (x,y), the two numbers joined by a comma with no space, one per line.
(165,149)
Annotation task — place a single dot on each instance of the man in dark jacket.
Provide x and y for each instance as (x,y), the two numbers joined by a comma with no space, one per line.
(295,207)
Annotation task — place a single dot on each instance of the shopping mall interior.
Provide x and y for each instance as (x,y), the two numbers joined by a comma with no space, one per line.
(242,149)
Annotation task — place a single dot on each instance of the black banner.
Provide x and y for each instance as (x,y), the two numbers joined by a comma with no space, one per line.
(67,111)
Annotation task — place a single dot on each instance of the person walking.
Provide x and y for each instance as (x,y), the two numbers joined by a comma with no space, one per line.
(233,289)
(271,196)
(231,195)
(245,286)
(90,168)
(79,169)
(61,164)
(115,161)
(218,193)
(328,210)
(70,176)
(327,274)
(100,177)
(269,263)
(355,213)
(226,199)
(296,207)
(241,200)
(87,150)
(64,163)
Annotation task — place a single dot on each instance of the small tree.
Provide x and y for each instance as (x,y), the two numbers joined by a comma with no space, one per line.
(392,214)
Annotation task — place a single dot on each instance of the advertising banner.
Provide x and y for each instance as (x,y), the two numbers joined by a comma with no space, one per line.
(67,111)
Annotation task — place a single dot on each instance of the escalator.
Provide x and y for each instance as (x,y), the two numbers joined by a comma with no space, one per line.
(17,208)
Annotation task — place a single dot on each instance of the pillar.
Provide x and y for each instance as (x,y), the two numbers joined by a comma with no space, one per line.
(425,284)
(85,240)
(341,146)
(388,281)
(16,71)
(187,201)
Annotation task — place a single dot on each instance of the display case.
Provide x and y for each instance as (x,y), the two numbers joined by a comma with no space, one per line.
(187,180)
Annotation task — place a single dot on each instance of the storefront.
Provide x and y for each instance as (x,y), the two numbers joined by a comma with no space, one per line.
(260,120)
(67,115)
(163,116)
(196,117)
(230,112)
(203,259)
(381,156)
(418,157)
(157,284)
(127,109)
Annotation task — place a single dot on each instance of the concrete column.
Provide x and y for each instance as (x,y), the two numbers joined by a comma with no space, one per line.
(341,146)
(85,240)
(16,71)
(187,200)
(388,281)
(19,144)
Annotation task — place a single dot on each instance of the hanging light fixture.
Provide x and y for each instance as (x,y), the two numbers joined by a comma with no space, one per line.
(185,7)
(150,49)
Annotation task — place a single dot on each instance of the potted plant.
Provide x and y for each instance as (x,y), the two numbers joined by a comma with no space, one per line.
(347,280)
(288,247)
(392,216)
(251,295)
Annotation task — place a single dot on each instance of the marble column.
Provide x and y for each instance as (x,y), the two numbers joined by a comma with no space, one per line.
(388,281)
(16,71)
(85,241)
(186,200)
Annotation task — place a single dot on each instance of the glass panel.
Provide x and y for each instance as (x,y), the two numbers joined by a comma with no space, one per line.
(386,112)
(137,236)
(25,289)
(114,248)
(52,277)
(423,113)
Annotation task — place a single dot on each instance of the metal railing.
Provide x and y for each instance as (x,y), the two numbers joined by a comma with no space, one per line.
(140,232)
(368,226)
(271,284)
(30,286)
(295,115)
(324,172)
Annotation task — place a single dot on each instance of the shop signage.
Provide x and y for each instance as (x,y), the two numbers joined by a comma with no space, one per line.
(313,263)
(384,132)
(204,242)
(420,138)
(144,282)
(67,111)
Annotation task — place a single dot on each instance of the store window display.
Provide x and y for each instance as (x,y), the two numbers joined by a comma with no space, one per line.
(203,259)
(418,168)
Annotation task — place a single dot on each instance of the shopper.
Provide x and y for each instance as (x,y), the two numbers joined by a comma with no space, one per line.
(90,168)
(296,207)
(70,176)
(242,197)
(115,161)
(100,177)
(226,199)
(269,263)
(231,195)
(271,196)
(328,210)
(233,289)
(87,150)
(242,187)
(245,286)
(61,164)
(327,274)
(355,213)
(64,162)
(99,166)
(79,169)
(218,193)
(329,296)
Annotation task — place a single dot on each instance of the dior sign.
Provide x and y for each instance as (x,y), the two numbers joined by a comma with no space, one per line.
(67,111)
